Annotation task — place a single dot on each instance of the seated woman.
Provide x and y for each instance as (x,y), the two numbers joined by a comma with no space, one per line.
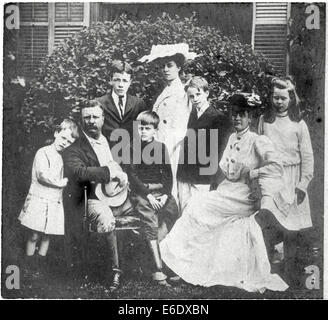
(217,240)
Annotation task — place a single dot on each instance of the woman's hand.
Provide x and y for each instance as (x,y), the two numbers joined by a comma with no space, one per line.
(213,186)
(256,193)
(300,195)
(156,205)
(63,183)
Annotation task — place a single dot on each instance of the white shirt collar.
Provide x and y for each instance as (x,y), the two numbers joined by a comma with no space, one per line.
(101,148)
(203,108)
(93,141)
(116,98)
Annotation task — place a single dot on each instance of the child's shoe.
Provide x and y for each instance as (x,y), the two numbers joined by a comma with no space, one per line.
(160,279)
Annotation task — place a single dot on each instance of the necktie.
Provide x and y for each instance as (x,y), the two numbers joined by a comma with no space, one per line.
(120,105)
(198,112)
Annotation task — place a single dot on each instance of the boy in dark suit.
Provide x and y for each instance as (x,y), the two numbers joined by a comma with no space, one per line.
(151,187)
(120,108)
(197,143)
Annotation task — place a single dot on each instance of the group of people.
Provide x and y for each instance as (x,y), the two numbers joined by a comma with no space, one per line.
(211,195)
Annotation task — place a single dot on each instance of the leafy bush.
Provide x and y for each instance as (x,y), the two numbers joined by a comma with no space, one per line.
(307,51)
(79,68)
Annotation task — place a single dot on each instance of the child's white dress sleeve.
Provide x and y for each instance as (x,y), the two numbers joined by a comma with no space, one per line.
(306,154)
(43,171)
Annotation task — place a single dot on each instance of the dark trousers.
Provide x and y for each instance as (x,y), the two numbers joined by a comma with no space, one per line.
(151,218)
(273,233)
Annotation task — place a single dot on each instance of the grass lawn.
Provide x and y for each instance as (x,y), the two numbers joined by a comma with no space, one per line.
(59,283)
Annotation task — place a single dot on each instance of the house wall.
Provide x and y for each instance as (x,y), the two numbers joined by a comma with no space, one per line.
(45,25)
(232,18)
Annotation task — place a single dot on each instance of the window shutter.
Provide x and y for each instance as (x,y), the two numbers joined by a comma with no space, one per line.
(33,36)
(270,29)
(69,19)
(44,25)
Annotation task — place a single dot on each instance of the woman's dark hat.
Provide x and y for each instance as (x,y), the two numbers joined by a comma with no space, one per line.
(245,101)
(239,101)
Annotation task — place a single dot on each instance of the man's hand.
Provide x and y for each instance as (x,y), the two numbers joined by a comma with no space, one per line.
(114,167)
(156,205)
(116,173)
(300,195)
(123,178)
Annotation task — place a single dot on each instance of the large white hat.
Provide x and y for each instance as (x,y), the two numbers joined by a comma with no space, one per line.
(168,50)
(112,193)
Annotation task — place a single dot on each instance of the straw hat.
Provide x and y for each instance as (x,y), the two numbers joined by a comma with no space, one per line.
(112,193)
(168,50)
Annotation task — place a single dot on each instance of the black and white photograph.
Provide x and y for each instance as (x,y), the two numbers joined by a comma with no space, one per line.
(163,151)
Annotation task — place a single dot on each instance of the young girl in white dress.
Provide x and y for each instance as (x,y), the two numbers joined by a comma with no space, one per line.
(43,212)
(283,125)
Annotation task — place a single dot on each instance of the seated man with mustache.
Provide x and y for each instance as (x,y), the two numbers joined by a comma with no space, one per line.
(88,162)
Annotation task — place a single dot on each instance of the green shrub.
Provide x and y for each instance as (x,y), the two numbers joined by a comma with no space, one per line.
(79,68)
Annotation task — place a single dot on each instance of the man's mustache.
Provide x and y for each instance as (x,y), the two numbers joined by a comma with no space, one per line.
(90,127)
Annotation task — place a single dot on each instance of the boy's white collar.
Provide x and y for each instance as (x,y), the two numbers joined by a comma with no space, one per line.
(203,108)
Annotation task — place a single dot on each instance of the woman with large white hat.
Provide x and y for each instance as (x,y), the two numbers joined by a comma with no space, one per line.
(172,104)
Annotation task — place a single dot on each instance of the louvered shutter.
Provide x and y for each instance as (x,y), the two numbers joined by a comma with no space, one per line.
(44,25)
(69,18)
(270,29)
(33,36)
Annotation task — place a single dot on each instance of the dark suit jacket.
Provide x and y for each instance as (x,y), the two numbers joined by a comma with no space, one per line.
(81,166)
(133,107)
(146,173)
(210,119)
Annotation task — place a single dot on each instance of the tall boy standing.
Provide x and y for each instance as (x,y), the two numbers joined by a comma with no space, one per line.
(120,108)
(203,118)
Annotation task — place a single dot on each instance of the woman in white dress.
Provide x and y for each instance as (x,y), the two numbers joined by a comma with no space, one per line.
(172,104)
(217,240)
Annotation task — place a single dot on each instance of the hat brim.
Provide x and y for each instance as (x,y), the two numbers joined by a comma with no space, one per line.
(153,57)
(114,201)
(168,50)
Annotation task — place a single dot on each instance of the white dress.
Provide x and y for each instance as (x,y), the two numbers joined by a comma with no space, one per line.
(217,240)
(292,141)
(43,208)
(173,110)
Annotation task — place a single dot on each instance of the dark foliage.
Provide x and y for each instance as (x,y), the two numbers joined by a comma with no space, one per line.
(79,68)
